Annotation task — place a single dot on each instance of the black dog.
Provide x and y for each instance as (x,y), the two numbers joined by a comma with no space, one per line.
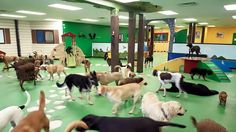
(201,72)
(105,57)
(148,60)
(84,83)
(193,49)
(119,124)
(195,89)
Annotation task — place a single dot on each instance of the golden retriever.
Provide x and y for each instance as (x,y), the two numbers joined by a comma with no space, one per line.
(54,68)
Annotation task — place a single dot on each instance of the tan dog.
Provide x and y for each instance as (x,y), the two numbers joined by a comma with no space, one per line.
(125,71)
(54,68)
(87,64)
(34,121)
(7,60)
(208,125)
(223,98)
(108,77)
(118,94)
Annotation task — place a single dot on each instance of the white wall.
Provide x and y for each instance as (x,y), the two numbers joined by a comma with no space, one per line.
(25,28)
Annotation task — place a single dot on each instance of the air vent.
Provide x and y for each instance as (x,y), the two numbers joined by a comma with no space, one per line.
(187,4)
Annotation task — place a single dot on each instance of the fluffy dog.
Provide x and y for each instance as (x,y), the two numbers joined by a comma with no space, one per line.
(118,94)
(86,65)
(34,121)
(168,77)
(83,83)
(201,72)
(131,80)
(54,68)
(7,60)
(157,110)
(208,125)
(12,114)
(195,89)
(223,98)
(148,60)
(107,77)
(119,124)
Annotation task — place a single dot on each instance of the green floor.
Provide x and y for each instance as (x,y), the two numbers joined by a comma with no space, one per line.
(200,107)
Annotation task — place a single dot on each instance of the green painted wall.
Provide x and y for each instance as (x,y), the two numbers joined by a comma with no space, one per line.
(181,36)
(85,43)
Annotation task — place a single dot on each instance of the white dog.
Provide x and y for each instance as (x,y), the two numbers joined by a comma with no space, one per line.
(168,77)
(12,114)
(118,94)
(157,110)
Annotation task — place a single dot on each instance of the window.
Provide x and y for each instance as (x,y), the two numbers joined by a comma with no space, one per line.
(161,37)
(45,36)
(5,36)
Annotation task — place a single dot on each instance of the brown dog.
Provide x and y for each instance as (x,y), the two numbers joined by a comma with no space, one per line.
(7,60)
(223,98)
(86,65)
(108,77)
(34,121)
(131,80)
(208,125)
(54,68)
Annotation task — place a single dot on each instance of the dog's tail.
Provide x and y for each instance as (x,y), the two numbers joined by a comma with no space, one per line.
(116,67)
(41,101)
(27,102)
(194,121)
(76,124)
(160,124)
(60,85)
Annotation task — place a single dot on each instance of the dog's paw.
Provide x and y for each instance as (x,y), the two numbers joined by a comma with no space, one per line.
(90,103)
(131,112)
(177,96)
(164,95)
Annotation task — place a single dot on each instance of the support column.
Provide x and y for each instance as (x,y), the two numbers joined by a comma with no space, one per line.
(140,44)
(114,38)
(193,32)
(203,34)
(190,33)
(150,48)
(131,44)
(17,38)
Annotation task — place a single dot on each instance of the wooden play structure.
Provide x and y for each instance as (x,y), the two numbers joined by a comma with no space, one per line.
(71,56)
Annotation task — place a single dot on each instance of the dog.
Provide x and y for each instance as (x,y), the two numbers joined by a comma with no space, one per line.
(193,49)
(157,110)
(86,65)
(106,58)
(54,68)
(201,72)
(34,121)
(195,89)
(130,80)
(107,77)
(207,125)
(83,83)
(168,77)
(118,94)
(118,124)
(148,60)
(223,98)
(7,60)
(13,114)
(126,71)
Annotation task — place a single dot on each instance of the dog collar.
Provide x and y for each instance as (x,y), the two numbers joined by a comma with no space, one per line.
(165,115)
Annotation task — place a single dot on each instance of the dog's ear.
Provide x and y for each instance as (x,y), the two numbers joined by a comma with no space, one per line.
(154,73)
(94,73)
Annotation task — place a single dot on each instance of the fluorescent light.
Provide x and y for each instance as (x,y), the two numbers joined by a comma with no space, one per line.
(157,27)
(30,12)
(126,1)
(168,12)
(203,23)
(230,7)
(211,26)
(234,17)
(11,15)
(190,19)
(66,7)
(123,24)
(180,26)
(52,19)
(123,17)
(89,20)
(155,22)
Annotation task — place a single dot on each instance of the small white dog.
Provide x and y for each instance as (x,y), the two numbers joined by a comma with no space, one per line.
(157,110)
(118,94)
(168,77)
(12,114)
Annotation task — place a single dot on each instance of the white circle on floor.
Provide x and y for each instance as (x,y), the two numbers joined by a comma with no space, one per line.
(32,109)
(98,64)
(65,97)
(62,91)
(60,107)
(48,116)
(58,102)
(53,95)
(55,124)
(47,101)
(50,111)
(52,91)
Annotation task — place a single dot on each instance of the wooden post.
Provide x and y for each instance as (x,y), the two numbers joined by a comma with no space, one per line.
(131,44)
(140,43)
(203,34)
(150,48)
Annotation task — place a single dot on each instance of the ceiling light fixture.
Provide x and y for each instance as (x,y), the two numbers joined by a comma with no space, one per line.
(66,7)
(203,23)
(30,12)
(190,19)
(11,15)
(89,20)
(180,26)
(168,12)
(155,22)
(124,24)
(211,26)
(234,17)
(52,19)
(126,1)
(123,17)
(230,7)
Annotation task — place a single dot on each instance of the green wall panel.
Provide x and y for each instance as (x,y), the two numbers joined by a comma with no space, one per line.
(85,42)
(181,36)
